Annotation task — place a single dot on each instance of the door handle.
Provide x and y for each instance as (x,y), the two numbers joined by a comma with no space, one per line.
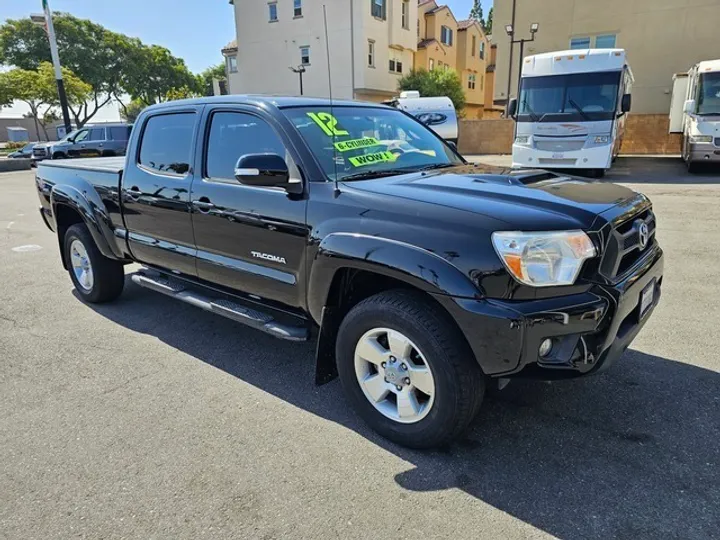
(203,205)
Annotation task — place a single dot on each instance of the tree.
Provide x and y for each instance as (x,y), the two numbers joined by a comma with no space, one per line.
(130,111)
(438,82)
(488,24)
(38,89)
(213,72)
(111,63)
(476,13)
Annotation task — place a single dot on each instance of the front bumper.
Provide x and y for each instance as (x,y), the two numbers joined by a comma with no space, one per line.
(596,157)
(590,330)
(704,152)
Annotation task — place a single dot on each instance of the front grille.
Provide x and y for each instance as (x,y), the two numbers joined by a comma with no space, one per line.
(39,152)
(559,146)
(623,248)
(556,161)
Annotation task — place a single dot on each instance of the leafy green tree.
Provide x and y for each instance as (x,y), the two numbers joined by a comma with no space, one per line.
(488,24)
(112,64)
(476,13)
(130,111)
(38,89)
(207,76)
(438,82)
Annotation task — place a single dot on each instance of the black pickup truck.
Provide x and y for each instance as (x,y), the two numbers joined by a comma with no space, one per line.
(423,278)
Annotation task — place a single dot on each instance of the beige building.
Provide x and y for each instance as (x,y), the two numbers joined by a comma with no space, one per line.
(446,43)
(232,76)
(661,37)
(371,45)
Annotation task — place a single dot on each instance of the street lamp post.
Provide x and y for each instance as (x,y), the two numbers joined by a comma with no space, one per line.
(511,32)
(46,21)
(299,70)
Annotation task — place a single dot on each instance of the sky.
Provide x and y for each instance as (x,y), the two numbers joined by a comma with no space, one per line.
(194,30)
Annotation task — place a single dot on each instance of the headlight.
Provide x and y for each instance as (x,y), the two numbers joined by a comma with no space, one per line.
(602,139)
(701,138)
(544,259)
(522,139)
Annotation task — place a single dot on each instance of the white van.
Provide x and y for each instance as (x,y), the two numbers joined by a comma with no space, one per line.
(695,112)
(438,113)
(572,109)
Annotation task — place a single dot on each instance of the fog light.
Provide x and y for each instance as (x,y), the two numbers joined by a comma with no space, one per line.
(545,347)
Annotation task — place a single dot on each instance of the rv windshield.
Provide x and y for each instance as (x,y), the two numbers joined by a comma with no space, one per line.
(709,94)
(369,142)
(576,97)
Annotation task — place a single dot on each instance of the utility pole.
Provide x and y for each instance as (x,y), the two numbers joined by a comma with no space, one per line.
(50,30)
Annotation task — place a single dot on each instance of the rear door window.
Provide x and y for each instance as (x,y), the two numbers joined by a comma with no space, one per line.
(119,133)
(166,144)
(97,134)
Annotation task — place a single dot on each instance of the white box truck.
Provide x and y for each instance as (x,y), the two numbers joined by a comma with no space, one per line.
(695,112)
(571,109)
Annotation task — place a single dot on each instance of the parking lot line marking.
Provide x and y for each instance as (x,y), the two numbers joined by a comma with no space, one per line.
(27,248)
(9,225)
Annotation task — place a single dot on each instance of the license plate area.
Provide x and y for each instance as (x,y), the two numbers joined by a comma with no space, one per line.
(558,155)
(647,296)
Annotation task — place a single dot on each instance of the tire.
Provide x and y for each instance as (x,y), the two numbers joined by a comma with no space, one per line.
(59,155)
(458,384)
(692,167)
(596,173)
(103,279)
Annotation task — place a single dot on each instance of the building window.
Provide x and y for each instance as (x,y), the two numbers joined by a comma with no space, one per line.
(471,82)
(482,82)
(474,44)
(305,55)
(272,9)
(396,66)
(232,64)
(406,14)
(446,35)
(482,50)
(297,6)
(606,41)
(580,43)
(378,8)
(371,53)
(432,64)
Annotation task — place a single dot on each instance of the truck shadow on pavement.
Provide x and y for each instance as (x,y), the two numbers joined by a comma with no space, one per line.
(663,170)
(634,453)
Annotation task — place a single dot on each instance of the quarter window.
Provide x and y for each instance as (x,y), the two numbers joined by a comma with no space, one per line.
(297,7)
(233,135)
(272,10)
(166,143)
(305,55)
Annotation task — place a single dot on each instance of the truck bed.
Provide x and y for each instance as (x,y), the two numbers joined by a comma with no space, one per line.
(114,164)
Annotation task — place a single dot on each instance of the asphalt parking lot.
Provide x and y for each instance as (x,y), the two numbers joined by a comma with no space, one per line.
(147,418)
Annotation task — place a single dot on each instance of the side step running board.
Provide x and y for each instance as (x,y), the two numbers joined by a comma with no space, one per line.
(226,308)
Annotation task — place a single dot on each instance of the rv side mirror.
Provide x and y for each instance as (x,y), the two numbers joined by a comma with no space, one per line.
(512,108)
(268,170)
(626,103)
(689,107)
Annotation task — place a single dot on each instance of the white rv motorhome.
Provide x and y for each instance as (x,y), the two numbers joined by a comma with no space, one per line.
(571,110)
(695,112)
(438,113)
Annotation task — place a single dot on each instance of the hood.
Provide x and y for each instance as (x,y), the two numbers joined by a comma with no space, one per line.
(524,199)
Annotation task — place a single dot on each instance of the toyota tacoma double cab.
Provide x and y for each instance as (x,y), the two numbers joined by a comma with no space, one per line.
(424,279)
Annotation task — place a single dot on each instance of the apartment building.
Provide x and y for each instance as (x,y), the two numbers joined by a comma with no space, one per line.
(232,76)
(446,43)
(661,37)
(371,44)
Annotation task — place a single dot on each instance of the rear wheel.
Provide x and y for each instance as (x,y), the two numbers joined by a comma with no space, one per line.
(96,278)
(407,370)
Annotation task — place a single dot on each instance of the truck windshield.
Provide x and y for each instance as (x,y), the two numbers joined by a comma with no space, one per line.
(361,142)
(709,94)
(576,97)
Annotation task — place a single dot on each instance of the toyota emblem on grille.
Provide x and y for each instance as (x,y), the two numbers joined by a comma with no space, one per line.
(644,235)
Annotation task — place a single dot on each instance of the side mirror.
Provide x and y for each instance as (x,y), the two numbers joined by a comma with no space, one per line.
(626,103)
(512,108)
(268,170)
(689,107)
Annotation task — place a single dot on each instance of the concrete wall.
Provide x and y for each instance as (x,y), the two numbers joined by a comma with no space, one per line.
(645,134)
(661,37)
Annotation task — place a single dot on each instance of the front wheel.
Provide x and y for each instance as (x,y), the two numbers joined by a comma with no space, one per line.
(692,166)
(96,278)
(407,370)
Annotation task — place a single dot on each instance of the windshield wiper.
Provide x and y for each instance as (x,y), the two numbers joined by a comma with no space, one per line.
(578,109)
(436,166)
(375,174)
(533,115)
